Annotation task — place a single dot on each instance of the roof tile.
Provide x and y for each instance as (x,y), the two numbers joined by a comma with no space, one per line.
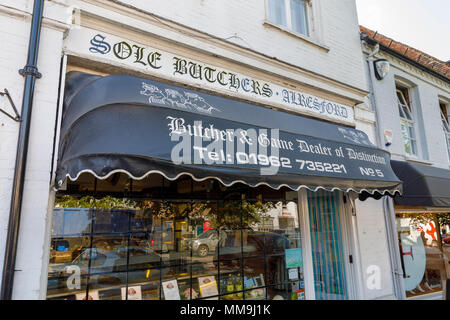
(420,57)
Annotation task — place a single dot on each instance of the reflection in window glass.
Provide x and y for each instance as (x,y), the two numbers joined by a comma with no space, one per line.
(67,222)
(422,254)
(106,286)
(111,221)
(232,248)
(62,285)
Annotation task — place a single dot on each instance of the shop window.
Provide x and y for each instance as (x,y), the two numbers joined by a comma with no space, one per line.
(446,124)
(291,14)
(207,242)
(423,251)
(407,121)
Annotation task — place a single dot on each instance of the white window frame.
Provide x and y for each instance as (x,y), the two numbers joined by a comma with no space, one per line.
(446,125)
(407,119)
(313,21)
(288,17)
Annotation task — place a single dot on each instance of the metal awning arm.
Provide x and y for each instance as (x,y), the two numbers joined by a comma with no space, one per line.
(17,117)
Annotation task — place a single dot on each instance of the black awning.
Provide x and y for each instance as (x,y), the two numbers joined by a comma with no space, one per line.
(138,126)
(422,185)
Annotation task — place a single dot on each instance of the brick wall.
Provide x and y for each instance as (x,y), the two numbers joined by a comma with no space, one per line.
(425,97)
(15,33)
(373,250)
(33,244)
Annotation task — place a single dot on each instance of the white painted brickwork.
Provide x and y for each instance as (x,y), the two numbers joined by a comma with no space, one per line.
(15,32)
(244,19)
(373,248)
(32,243)
(15,18)
(425,92)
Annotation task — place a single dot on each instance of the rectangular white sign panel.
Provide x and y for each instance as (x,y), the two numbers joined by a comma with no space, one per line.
(108,48)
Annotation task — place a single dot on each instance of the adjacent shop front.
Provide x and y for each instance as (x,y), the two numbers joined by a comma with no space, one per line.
(165,192)
(422,215)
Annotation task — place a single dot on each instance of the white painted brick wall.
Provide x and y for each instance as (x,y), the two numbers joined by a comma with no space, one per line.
(15,34)
(33,242)
(425,95)
(373,248)
(434,132)
(425,92)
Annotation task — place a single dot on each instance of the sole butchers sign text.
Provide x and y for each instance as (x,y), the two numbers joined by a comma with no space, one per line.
(178,68)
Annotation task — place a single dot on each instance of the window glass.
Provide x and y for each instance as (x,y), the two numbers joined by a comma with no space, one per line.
(105,286)
(277,12)
(291,14)
(196,245)
(141,256)
(405,108)
(423,252)
(444,117)
(230,274)
(446,125)
(298,16)
(65,277)
(407,121)
(284,264)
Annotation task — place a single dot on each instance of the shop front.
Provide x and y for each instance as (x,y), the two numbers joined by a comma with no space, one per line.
(167,193)
(423,220)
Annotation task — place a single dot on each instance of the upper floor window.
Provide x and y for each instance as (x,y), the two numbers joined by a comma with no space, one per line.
(445,123)
(407,121)
(292,14)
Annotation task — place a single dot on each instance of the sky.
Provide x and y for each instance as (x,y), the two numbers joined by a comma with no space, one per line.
(421,24)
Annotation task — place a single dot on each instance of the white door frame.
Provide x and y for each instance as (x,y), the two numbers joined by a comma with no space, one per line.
(308,269)
(351,246)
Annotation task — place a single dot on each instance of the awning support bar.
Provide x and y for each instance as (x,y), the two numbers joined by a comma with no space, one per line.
(17,118)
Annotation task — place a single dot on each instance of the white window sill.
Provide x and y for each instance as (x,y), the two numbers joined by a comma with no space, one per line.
(298,35)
